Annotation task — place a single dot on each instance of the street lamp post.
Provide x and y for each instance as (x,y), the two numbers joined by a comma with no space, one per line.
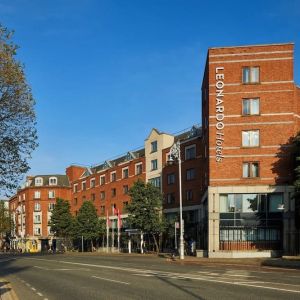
(175,153)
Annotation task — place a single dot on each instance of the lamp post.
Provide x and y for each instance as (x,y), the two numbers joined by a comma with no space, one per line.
(175,153)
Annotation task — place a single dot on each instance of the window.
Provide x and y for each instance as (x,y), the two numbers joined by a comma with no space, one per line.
(113,192)
(170,198)
(125,173)
(37,195)
(93,197)
(138,169)
(51,194)
(92,183)
(51,206)
(75,201)
(24,196)
(37,231)
(113,176)
(102,210)
(155,181)
(190,174)
(38,181)
(153,164)
(83,198)
(250,138)
(75,188)
(171,178)
(102,195)
(250,107)
(190,152)
(83,185)
(125,204)
(250,75)
(154,146)
(250,169)
(37,206)
(102,180)
(37,219)
(125,189)
(52,181)
(189,195)
(275,200)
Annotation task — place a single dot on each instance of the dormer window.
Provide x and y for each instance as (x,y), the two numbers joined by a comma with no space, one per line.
(38,181)
(52,181)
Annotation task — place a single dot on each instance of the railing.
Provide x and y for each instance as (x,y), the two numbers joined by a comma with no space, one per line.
(250,238)
(293,241)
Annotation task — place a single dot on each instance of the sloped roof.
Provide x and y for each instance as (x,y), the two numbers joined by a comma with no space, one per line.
(62,180)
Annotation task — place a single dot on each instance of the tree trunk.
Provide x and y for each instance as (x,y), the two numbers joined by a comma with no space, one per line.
(156,244)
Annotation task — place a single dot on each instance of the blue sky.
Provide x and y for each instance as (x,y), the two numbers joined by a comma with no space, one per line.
(104,72)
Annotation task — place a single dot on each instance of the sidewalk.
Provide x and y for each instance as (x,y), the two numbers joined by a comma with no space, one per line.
(6,291)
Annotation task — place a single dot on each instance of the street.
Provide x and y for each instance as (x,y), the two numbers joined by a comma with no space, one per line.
(78,276)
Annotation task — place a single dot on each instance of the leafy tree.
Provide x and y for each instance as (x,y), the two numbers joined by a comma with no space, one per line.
(145,209)
(296,144)
(61,219)
(17,118)
(6,223)
(87,223)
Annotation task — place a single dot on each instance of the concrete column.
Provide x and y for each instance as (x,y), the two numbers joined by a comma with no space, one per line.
(213,222)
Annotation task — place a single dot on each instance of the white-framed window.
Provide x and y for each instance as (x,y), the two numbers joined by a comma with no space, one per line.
(153,164)
(24,196)
(75,187)
(190,152)
(102,179)
(51,194)
(102,195)
(50,232)
(250,169)
(37,206)
(51,206)
(250,75)
(52,181)
(171,178)
(37,230)
(155,181)
(38,181)
(37,195)
(37,219)
(83,185)
(250,138)
(154,146)
(92,183)
(125,173)
(250,106)
(113,176)
(138,168)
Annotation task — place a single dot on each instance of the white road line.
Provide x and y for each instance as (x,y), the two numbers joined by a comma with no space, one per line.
(27,284)
(40,294)
(33,289)
(106,279)
(42,268)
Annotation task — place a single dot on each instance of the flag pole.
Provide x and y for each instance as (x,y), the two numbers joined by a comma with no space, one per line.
(107,232)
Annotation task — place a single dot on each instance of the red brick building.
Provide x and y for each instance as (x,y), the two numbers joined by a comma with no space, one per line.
(250,113)
(31,209)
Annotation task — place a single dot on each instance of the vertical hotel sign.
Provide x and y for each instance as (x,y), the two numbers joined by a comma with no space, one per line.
(219,113)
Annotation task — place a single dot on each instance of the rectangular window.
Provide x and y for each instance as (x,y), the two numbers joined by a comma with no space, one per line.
(93,197)
(170,198)
(83,185)
(102,210)
(75,201)
(250,169)
(37,219)
(37,231)
(190,174)
(37,195)
(113,192)
(154,146)
(37,207)
(250,107)
(250,138)
(190,152)
(51,206)
(155,181)
(51,194)
(102,195)
(153,164)
(113,176)
(83,198)
(125,173)
(275,201)
(138,169)
(125,189)
(102,180)
(125,204)
(75,188)
(250,75)
(171,178)
(189,195)
(92,183)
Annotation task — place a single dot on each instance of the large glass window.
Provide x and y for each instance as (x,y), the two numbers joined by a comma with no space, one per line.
(155,181)
(250,107)
(250,138)
(274,202)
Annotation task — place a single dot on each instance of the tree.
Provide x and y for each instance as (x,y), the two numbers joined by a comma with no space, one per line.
(17,117)
(5,222)
(61,219)
(145,209)
(88,225)
(296,144)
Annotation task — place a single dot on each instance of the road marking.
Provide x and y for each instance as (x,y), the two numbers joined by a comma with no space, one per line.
(40,294)
(224,274)
(117,281)
(33,289)
(182,275)
(42,268)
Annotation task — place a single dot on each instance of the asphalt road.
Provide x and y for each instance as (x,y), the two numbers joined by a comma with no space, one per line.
(141,277)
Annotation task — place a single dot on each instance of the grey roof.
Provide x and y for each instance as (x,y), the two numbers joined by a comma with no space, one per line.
(194,131)
(62,180)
